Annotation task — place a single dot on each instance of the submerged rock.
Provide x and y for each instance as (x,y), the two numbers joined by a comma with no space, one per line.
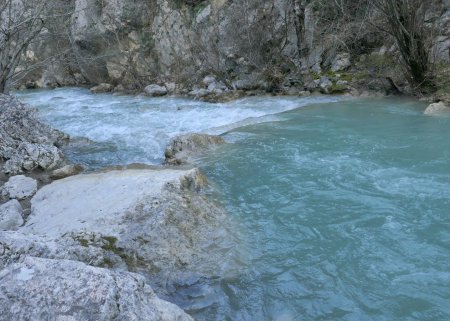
(437,108)
(26,143)
(10,216)
(19,187)
(182,148)
(43,289)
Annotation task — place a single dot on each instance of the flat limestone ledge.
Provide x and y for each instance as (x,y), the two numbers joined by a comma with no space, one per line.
(158,221)
(43,289)
(100,202)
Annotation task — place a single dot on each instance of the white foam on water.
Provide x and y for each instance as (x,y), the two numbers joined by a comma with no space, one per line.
(140,127)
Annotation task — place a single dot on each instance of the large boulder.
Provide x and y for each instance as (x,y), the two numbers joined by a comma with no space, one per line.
(10,216)
(42,289)
(25,142)
(437,109)
(183,148)
(19,187)
(155,90)
(158,221)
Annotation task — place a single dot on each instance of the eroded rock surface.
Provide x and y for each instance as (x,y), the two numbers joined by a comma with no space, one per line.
(10,216)
(15,246)
(157,221)
(182,148)
(19,187)
(42,289)
(66,171)
(25,142)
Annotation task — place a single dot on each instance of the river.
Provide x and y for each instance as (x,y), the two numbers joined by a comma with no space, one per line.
(343,204)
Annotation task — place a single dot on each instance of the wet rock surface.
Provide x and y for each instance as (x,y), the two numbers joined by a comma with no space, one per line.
(183,148)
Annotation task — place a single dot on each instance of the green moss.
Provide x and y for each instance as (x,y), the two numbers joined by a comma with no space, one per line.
(329,74)
(315,75)
(82,241)
(346,77)
(111,246)
(107,263)
(112,240)
(338,89)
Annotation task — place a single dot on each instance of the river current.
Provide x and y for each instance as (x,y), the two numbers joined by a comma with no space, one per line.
(343,205)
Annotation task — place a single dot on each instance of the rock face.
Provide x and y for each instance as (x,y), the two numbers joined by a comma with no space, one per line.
(26,143)
(42,289)
(182,148)
(10,216)
(437,108)
(19,187)
(341,62)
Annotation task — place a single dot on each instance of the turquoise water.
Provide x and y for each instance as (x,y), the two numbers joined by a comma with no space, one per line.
(343,206)
(345,210)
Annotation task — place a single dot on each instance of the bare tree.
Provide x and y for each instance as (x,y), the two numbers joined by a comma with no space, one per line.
(406,23)
(299,22)
(22,22)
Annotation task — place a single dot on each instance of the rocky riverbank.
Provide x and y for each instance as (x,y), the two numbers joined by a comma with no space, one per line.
(97,244)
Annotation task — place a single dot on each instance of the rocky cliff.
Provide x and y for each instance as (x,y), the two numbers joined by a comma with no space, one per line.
(246,44)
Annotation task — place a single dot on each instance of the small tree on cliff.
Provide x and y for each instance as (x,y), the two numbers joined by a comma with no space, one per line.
(22,23)
(405,21)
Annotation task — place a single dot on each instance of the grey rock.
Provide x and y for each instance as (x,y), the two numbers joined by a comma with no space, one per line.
(158,221)
(325,84)
(208,80)
(42,289)
(19,187)
(198,93)
(182,148)
(25,142)
(10,216)
(102,88)
(204,14)
(66,171)
(341,62)
(155,90)
(14,246)
(171,87)
(437,109)
(217,87)
(30,156)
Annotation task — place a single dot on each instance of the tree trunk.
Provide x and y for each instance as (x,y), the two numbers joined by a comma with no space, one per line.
(2,86)
(299,21)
